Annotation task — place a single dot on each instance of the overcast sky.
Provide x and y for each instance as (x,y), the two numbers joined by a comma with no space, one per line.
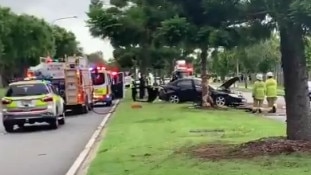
(53,9)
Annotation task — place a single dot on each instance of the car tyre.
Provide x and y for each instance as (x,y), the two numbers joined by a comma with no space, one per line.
(91,105)
(220,101)
(85,108)
(62,119)
(109,103)
(174,99)
(8,127)
(21,125)
(54,123)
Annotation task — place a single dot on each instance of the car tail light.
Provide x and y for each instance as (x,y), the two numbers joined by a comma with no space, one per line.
(6,101)
(47,99)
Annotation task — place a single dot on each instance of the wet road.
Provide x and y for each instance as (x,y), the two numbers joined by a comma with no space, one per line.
(36,150)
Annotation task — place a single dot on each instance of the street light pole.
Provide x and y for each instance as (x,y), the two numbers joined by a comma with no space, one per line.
(58,19)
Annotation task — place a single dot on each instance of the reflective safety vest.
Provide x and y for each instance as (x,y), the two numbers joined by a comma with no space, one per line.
(259,90)
(271,87)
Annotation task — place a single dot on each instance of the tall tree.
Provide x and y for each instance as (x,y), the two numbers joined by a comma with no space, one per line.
(96,58)
(202,24)
(293,21)
(65,43)
(23,39)
(129,27)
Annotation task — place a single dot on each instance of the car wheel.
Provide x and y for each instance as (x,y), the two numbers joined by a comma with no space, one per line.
(8,127)
(21,125)
(109,103)
(85,108)
(220,101)
(174,99)
(91,105)
(54,123)
(62,119)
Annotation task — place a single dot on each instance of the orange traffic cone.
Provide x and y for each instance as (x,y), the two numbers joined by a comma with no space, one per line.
(136,106)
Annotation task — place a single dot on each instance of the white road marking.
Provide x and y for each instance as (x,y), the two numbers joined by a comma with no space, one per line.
(85,152)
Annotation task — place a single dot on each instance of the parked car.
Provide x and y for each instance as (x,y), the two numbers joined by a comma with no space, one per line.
(190,90)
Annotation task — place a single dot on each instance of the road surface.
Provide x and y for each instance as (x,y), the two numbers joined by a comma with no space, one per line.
(40,151)
(281,112)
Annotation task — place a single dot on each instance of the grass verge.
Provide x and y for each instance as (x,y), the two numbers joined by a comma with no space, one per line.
(144,142)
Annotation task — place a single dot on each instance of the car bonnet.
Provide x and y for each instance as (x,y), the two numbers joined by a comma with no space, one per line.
(229,82)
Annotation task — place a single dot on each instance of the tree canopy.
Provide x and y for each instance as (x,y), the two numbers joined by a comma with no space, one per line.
(140,29)
(25,38)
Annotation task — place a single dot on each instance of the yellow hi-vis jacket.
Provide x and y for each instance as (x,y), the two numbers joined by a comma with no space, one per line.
(271,87)
(259,90)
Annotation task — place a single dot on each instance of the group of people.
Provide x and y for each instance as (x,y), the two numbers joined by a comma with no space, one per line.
(265,89)
(146,83)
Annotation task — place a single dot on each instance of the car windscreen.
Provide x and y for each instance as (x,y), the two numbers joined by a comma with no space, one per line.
(98,78)
(21,90)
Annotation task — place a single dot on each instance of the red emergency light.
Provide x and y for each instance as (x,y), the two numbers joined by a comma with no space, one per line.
(48,60)
(100,68)
(30,74)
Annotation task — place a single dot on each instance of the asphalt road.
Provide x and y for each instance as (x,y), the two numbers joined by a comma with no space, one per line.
(36,150)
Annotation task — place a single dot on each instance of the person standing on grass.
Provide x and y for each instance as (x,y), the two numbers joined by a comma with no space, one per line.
(133,88)
(259,92)
(271,92)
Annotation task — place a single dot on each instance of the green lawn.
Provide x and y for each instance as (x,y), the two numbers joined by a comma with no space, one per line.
(144,141)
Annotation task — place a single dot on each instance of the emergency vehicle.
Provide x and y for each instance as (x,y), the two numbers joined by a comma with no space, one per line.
(102,84)
(72,78)
(182,69)
(32,101)
(108,83)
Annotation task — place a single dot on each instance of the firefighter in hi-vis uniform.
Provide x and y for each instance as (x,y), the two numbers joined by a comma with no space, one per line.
(259,93)
(271,92)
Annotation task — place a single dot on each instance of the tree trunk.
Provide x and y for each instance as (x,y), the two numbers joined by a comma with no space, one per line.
(295,81)
(245,80)
(206,98)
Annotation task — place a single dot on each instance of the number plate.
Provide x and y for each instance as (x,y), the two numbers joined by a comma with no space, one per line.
(26,102)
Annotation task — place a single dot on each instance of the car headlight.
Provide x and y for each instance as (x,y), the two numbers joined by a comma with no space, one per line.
(234,95)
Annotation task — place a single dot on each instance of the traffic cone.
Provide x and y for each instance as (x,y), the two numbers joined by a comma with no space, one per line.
(136,106)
